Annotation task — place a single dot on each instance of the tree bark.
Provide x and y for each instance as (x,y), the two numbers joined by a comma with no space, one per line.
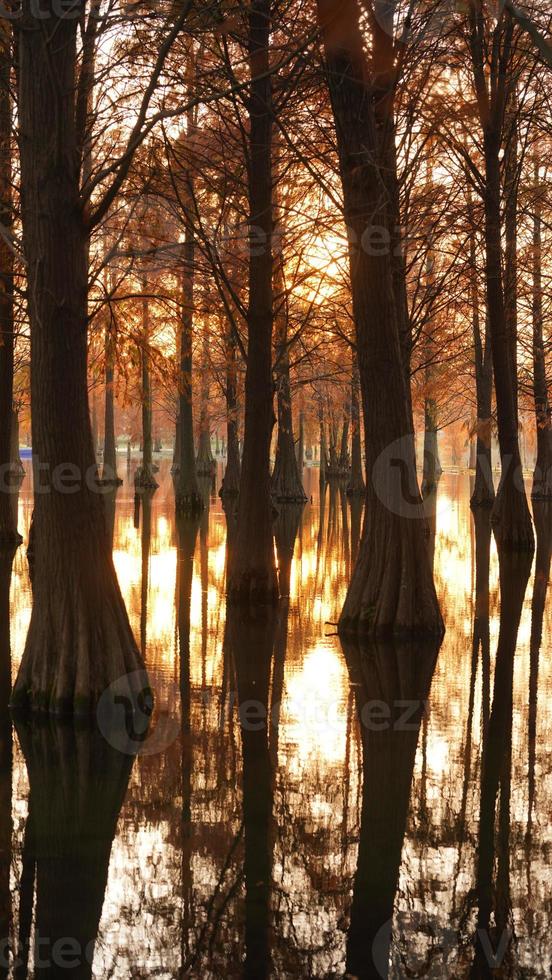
(79,638)
(8,521)
(205,463)
(286,479)
(511,517)
(483,492)
(323,449)
(252,572)
(144,478)
(392,589)
(432,468)
(542,476)
(231,482)
(356,485)
(109,473)
(187,495)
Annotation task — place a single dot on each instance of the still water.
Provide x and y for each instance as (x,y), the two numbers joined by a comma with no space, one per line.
(390,819)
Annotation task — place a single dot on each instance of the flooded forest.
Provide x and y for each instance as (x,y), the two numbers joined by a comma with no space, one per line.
(275,489)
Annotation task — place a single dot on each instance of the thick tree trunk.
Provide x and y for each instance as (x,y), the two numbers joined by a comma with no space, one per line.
(356,485)
(231,482)
(511,517)
(109,473)
(8,521)
(384,81)
(392,589)
(542,477)
(79,638)
(252,571)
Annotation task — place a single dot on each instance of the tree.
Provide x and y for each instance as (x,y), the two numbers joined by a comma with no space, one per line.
(79,637)
(8,518)
(494,40)
(542,477)
(392,589)
(252,571)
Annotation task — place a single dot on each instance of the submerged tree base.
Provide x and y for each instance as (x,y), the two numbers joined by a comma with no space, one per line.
(253,589)
(79,643)
(145,480)
(392,593)
(542,484)
(290,497)
(189,504)
(511,520)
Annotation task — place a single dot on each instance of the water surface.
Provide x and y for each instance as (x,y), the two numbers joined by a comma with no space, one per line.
(328,841)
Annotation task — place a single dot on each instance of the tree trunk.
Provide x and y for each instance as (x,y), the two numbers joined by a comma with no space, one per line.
(18,470)
(188,497)
(205,463)
(231,482)
(323,449)
(511,188)
(542,477)
(392,589)
(8,523)
(144,478)
(301,443)
(432,464)
(252,571)
(109,474)
(79,638)
(356,485)
(511,517)
(286,479)
(344,459)
(483,493)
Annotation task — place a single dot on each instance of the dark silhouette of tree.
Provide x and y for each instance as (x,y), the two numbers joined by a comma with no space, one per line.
(392,588)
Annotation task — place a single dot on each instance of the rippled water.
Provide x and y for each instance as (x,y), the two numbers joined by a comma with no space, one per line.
(350,834)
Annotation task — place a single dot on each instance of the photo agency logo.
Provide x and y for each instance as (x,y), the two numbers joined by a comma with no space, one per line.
(126,717)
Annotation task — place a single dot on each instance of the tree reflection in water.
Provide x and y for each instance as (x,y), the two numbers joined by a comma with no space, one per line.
(312,844)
